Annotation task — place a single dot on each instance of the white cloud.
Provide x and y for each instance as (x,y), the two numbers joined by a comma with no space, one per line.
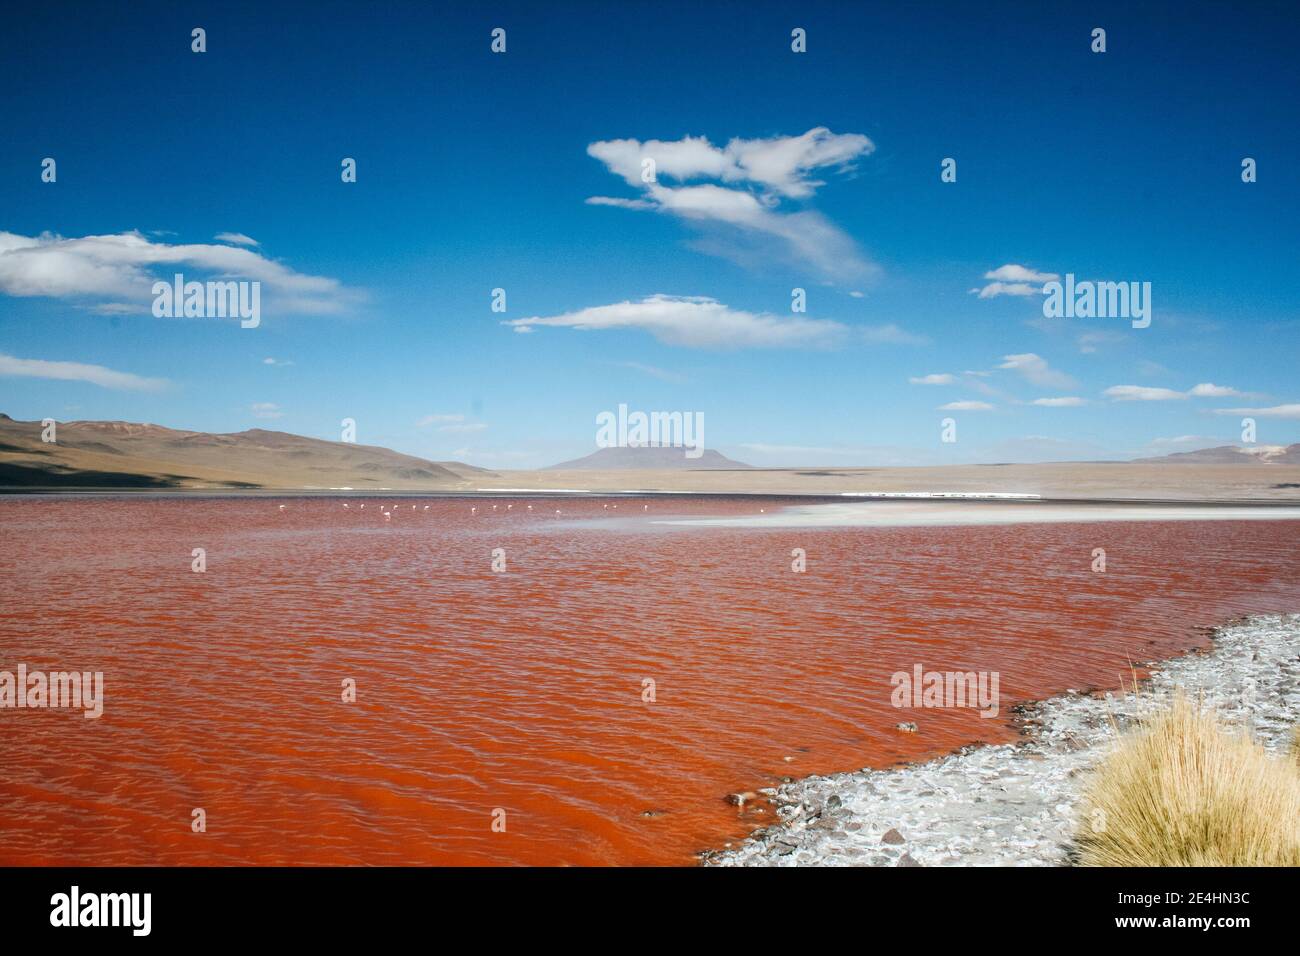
(1067,402)
(1274,411)
(994,289)
(967,406)
(266,410)
(78,372)
(1142,393)
(938,378)
(1036,371)
(238,238)
(760,173)
(114,273)
(695,322)
(1015,273)
(618,203)
(438,420)
(465,428)
(1210,390)
(780,164)
(282,363)
(1012,279)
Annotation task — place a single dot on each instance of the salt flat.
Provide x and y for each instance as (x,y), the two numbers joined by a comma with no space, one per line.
(921,513)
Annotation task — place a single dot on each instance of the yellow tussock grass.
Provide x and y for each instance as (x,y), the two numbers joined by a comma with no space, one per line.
(1183,791)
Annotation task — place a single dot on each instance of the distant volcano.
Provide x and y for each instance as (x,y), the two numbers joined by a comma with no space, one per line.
(658,457)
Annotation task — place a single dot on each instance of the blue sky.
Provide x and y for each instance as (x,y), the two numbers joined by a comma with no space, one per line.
(818,170)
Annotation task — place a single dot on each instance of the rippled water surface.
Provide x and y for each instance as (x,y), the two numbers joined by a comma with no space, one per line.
(523,691)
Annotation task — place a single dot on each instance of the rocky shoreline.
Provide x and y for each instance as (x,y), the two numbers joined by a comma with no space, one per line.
(1014,804)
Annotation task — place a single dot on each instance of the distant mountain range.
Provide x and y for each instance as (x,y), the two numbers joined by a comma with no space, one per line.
(1232,455)
(648,457)
(129,455)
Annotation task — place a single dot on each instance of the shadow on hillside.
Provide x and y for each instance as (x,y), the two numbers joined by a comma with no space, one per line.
(32,476)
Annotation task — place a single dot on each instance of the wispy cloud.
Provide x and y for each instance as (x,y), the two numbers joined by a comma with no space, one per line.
(266,410)
(281,363)
(238,238)
(1143,393)
(966,406)
(1273,411)
(78,372)
(1068,401)
(695,322)
(937,378)
(1036,371)
(1013,279)
(115,273)
(1210,390)
(759,174)
(428,420)
(780,164)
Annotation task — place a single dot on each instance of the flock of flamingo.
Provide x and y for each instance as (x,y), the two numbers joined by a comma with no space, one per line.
(388,515)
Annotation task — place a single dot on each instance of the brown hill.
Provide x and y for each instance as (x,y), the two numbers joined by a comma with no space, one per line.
(132,455)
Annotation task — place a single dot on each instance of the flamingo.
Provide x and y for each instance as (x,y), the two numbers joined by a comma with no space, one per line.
(473,511)
(281,507)
(345,504)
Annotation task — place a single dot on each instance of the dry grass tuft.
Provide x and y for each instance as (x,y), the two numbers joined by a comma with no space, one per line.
(1182,791)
